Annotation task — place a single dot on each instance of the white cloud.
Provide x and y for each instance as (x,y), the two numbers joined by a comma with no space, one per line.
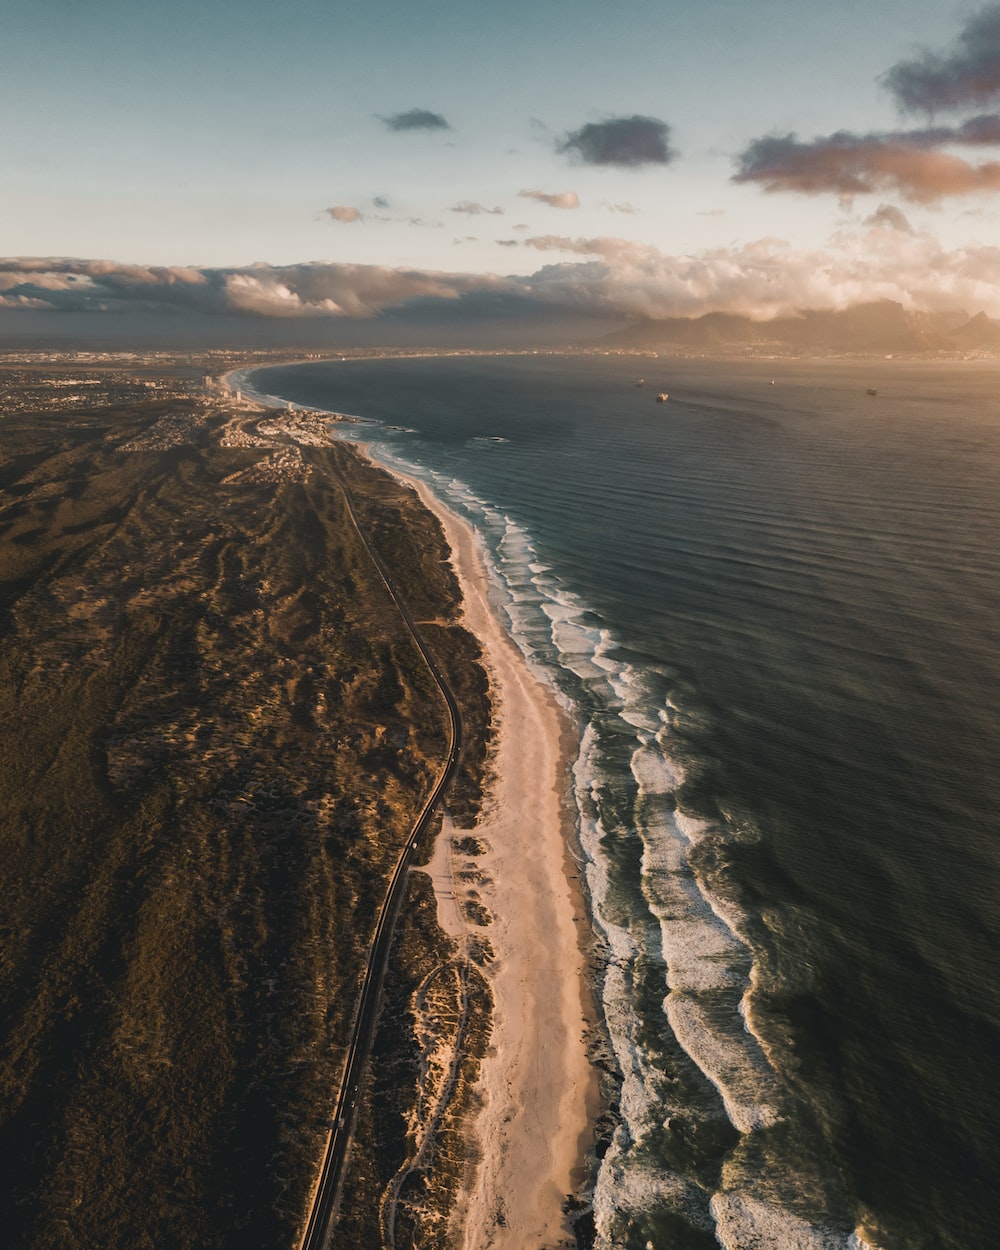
(610,276)
(769,277)
(560,199)
(344,212)
(312,289)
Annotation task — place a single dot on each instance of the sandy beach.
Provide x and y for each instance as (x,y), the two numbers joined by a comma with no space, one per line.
(538,1089)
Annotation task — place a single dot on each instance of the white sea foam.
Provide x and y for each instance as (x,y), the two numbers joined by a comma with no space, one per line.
(623,1188)
(857,1241)
(700,951)
(730,1058)
(745,1222)
(656,774)
(640,1099)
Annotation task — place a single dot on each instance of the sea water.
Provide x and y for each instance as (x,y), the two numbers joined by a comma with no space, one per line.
(773,604)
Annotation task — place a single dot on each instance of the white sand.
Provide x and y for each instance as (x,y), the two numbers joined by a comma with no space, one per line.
(537,1085)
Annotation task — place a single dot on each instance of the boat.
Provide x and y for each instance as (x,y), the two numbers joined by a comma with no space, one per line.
(872,390)
(641,382)
(662,397)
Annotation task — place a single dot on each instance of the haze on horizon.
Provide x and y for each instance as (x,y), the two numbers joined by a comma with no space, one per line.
(536,160)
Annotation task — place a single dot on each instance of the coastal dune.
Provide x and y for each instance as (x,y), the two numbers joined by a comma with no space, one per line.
(537,1087)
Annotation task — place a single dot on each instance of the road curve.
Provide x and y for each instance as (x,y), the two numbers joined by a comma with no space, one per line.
(319,1226)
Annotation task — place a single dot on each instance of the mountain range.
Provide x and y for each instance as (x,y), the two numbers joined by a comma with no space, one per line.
(879,328)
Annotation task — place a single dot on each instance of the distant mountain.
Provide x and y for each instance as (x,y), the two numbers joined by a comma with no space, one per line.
(981,331)
(881,327)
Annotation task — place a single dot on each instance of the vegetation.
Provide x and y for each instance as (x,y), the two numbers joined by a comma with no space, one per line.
(215,734)
(434,1031)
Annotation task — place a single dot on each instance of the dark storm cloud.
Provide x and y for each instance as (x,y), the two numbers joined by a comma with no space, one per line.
(628,141)
(848,164)
(967,77)
(414,119)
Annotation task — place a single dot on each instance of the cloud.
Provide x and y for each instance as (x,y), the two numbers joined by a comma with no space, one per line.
(848,164)
(25,302)
(601,276)
(474,209)
(612,249)
(909,162)
(628,141)
(561,199)
(305,290)
(98,285)
(768,278)
(345,213)
(414,119)
(889,216)
(557,243)
(984,130)
(969,76)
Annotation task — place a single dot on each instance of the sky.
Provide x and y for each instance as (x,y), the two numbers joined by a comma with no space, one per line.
(651,158)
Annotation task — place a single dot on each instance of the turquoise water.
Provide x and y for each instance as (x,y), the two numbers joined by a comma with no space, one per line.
(773,602)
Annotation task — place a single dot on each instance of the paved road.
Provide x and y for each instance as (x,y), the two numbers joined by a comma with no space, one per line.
(319,1229)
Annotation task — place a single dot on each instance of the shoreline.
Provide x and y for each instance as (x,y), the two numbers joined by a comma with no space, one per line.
(539,1091)
(540,1097)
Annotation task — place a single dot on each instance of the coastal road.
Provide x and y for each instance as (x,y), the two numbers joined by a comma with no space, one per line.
(319,1227)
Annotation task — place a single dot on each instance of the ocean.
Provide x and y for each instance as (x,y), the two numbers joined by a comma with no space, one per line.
(773,604)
